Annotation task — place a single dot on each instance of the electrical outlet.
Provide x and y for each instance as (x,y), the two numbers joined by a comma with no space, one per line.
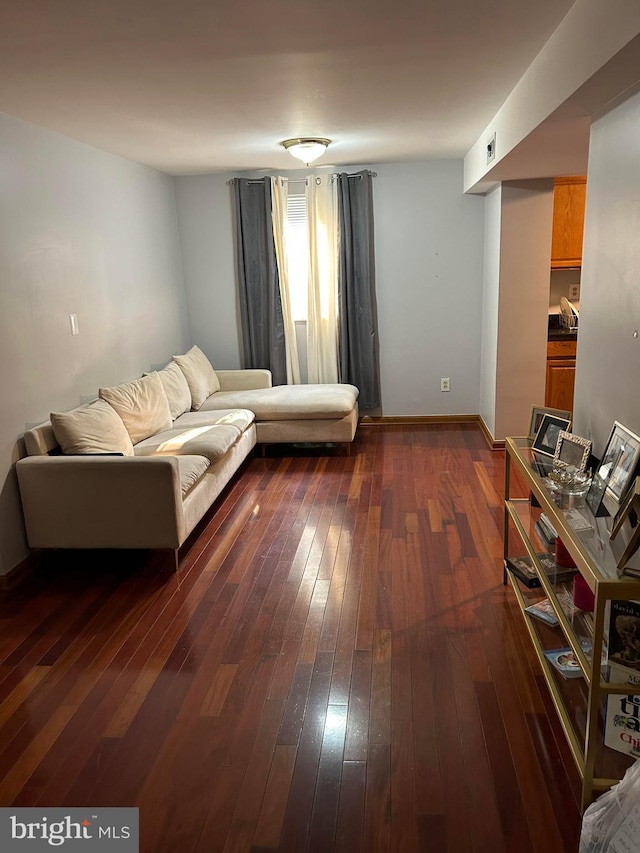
(574,291)
(445,384)
(73,320)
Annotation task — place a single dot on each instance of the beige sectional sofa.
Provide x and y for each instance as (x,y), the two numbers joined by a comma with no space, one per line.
(139,467)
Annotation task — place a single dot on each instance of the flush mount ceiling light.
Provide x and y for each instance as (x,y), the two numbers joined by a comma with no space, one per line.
(306,149)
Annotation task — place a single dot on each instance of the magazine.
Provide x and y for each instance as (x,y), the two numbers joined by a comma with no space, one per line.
(544,611)
(565,662)
(624,635)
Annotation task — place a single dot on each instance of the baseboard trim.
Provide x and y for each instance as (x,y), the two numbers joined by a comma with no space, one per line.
(368,420)
(15,576)
(415,420)
(493,444)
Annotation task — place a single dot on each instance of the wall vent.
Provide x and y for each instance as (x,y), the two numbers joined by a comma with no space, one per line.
(491,149)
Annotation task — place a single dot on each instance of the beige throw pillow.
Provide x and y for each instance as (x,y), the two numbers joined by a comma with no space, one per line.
(142,405)
(200,375)
(96,428)
(176,388)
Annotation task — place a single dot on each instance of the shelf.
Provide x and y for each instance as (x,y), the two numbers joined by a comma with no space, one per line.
(580,702)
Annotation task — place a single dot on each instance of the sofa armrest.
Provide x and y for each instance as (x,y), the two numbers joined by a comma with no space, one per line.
(244,380)
(101,502)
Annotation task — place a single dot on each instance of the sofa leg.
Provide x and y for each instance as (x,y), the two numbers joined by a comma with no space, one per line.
(171,561)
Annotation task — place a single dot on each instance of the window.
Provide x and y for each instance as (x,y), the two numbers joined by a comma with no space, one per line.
(297,250)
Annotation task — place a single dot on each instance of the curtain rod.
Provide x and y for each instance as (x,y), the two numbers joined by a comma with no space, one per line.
(298,180)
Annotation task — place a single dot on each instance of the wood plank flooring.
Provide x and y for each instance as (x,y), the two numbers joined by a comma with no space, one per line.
(336,667)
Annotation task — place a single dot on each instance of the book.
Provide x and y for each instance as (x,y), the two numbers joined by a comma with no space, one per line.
(624,635)
(622,724)
(543,533)
(544,611)
(549,531)
(522,568)
(565,662)
(622,675)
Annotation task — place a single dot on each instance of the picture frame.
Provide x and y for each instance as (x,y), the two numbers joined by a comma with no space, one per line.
(630,541)
(629,505)
(595,496)
(546,439)
(538,412)
(572,451)
(619,462)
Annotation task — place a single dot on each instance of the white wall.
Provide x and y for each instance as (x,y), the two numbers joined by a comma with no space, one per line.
(81,232)
(608,360)
(575,62)
(429,250)
(525,255)
(490,301)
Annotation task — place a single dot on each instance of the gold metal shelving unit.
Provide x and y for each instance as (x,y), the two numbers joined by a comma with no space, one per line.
(579,702)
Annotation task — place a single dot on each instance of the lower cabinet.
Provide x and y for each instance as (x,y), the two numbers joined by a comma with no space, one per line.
(561,374)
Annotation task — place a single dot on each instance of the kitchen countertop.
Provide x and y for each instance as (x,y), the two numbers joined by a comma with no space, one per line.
(560,334)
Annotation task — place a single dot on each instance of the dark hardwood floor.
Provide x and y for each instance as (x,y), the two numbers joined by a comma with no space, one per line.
(336,667)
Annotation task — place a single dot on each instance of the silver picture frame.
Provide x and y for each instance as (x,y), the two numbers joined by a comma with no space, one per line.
(572,451)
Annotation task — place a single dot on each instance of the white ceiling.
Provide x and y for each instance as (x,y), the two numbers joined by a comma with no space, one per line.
(212,86)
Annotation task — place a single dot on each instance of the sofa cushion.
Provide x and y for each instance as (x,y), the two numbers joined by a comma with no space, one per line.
(176,388)
(289,402)
(191,469)
(241,418)
(95,428)
(200,375)
(142,405)
(209,441)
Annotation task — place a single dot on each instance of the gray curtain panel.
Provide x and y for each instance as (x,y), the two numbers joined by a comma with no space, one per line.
(358,357)
(258,281)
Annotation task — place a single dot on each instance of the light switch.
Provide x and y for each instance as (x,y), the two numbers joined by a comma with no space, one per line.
(73,319)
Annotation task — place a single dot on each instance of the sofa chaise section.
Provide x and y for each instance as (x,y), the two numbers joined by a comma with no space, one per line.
(289,413)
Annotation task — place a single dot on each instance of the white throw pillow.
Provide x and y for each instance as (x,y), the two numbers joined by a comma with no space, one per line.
(142,405)
(200,375)
(176,388)
(96,428)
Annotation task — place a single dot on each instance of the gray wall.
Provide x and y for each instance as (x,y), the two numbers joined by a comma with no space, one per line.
(490,305)
(206,237)
(608,360)
(84,232)
(429,257)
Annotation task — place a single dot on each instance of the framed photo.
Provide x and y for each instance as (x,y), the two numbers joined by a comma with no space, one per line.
(546,438)
(538,412)
(595,496)
(572,451)
(626,528)
(619,461)
(629,509)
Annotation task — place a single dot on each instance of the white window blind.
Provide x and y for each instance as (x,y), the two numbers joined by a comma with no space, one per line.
(296,242)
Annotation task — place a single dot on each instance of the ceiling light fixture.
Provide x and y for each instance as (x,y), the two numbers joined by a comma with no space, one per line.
(307,149)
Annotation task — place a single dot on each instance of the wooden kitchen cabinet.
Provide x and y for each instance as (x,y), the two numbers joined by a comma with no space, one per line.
(561,374)
(568,221)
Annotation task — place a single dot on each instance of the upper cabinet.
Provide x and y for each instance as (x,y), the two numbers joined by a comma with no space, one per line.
(568,221)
